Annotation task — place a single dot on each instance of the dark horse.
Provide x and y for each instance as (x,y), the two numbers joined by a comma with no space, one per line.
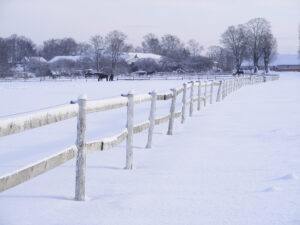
(238,72)
(100,76)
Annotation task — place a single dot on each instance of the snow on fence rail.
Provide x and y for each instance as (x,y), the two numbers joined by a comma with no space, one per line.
(82,107)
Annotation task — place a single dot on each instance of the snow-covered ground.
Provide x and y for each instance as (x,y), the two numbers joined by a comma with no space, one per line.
(235,162)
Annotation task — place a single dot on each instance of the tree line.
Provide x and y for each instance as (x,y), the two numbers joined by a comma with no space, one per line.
(252,41)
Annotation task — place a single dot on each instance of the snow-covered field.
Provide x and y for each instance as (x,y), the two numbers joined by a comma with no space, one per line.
(235,162)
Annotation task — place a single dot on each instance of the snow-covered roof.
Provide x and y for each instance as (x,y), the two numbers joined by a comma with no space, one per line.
(134,56)
(284,59)
(36,58)
(65,57)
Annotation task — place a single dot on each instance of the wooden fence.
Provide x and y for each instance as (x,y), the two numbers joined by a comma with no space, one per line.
(83,107)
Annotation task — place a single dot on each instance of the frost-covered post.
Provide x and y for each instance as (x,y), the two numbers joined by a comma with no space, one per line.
(219,95)
(151,119)
(183,103)
(81,154)
(235,84)
(265,79)
(227,86)
(172,112)
(192,98)
(223,89)
(211,92)
(130,116)
(199,96)
(205,93)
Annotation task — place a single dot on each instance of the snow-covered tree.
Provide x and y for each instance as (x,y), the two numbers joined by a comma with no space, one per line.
(194,47)
(257,28)
(98,44)
(235,39)
(151,44)
(115,44)
(269,49)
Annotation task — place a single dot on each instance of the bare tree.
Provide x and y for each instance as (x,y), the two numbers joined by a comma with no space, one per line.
(68,46)
(269,49)
(4,57)
(257,28)
(174,51)
(115,43)
(222,56)
(59,47)
(235,39)
(84,48)
(151,44)
(170,44)
(194,47)
(128,48)
(98,44)
(19,47)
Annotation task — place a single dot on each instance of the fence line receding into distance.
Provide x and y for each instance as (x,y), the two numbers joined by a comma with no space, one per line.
(83,107)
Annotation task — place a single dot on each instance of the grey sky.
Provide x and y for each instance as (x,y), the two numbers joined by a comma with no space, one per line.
(203,20)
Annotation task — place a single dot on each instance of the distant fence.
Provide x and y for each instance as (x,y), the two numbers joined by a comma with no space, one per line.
(204,94)
(132,76)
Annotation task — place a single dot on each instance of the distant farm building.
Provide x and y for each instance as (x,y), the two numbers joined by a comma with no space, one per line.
(281,62)
(286,63)
(132,57)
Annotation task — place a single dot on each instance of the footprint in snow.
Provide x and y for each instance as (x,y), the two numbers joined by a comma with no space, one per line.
(290,176)
(271,189)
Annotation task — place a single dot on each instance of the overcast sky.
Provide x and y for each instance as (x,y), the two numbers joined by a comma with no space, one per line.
(203,20)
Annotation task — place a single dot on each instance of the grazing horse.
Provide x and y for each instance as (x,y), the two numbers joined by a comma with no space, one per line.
(101,76)
(238,72)
(97,74)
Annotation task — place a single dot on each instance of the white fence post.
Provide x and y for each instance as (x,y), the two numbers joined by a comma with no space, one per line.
(211,92)
(130,116)
(151,119)
(223,89)
(191,99)
(81,154)
(235,84)
(172,112)
(183,103)
(199,96)
(219,95)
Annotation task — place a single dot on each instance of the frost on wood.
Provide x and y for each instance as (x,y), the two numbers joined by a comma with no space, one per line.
(81,154)
(31,171)
(192,99)
(199,96)
(219,91)
(27,122)
(129,126)
(111,142)
(151,119)
(183,103)
(172,111)
(106,104)
(162,119)
(205,92)
(211,93)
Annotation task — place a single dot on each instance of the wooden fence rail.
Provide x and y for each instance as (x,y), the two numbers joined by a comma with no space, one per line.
(83,107)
